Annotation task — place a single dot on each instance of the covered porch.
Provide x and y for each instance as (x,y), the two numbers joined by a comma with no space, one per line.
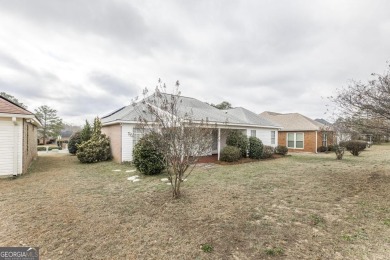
(219,136)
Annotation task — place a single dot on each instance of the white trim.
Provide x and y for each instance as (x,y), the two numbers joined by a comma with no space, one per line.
(274,132)
(295,140)
(210,125)
(34,119)
(219,143)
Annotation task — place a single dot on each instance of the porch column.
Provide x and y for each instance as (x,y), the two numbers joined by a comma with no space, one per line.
(219,143)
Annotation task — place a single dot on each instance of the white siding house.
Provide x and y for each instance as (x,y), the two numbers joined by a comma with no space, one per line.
(222,121)
(18,139)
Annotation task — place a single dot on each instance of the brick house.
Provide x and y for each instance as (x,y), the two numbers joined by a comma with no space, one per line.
(300,133)
(18,138)
(122,126)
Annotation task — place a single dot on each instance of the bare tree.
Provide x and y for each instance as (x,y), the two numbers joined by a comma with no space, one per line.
(184,137)
(365,107)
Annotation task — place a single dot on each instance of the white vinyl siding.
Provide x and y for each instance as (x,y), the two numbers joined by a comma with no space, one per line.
(130,136)
(264,134)
(295,140)
(11,148)
(127,143)
(137,135)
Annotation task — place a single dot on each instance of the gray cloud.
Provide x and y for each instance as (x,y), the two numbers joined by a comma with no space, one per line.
(264,55)
(112,85)
(12,63)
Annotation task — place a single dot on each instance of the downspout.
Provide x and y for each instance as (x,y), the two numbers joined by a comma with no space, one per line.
(219,142)
(316,142)
(16,147)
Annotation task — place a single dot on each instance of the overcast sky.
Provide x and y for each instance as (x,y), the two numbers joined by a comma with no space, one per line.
(86,58)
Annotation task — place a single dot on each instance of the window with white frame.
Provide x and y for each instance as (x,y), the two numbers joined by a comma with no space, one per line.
(295,140)
(325,139)
(137,135)
(253,133)
(273,137)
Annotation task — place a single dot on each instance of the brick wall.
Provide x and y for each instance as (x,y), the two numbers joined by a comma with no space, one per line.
(29,144)
(114,132)
(309,144)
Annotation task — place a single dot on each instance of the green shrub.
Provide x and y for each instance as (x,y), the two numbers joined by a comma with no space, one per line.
(239,140)
(74,140)
(355,147)
(87,131)
(97,148)
(255,148)
(268,151)
(230,154)
(281,149)
(146,155)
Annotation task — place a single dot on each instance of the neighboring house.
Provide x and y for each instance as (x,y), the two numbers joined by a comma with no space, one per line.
(18,138)
(123,129)
(300,133)
(340,134)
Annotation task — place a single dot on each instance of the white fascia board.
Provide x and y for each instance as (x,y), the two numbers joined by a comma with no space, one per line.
(34,120)
(16,115)
(210,124)
(119,122)
(227,125)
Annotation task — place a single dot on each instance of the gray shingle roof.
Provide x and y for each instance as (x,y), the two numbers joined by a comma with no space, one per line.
(197,109)
(293,121)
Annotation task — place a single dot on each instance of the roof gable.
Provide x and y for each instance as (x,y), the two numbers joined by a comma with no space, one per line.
(293,121)
(9,107)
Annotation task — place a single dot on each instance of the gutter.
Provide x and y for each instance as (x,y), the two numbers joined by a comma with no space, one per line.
(210,124)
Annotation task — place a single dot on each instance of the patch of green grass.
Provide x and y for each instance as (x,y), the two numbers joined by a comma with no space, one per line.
(207,248)
(316,220)
(275,251)
(360,234)
(387,222)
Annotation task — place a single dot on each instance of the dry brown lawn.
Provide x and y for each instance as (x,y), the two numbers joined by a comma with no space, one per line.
(303,206)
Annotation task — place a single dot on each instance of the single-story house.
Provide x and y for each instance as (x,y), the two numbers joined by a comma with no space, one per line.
(300,133)
(18,138)
(122,126)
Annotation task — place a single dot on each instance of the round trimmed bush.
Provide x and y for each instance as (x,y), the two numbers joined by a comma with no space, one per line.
(255,148)
(230,154)
(268,151)
(239,140)
(281,149)
(147,157)
(355,147)
(96,149)
(74,140)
